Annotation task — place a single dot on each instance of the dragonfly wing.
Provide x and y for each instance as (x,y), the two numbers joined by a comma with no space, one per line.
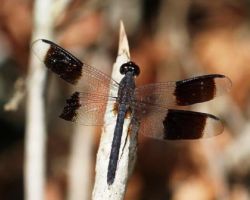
(70,69)
(87,108)
(170,124)
(185,92)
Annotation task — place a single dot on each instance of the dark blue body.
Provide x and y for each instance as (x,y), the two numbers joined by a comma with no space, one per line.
(125,104)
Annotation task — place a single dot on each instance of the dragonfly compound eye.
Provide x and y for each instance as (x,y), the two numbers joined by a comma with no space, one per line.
(130,67)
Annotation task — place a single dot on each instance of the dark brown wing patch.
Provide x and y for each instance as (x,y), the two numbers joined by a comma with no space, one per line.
(195,90)
(63,63)
(72,105)
(180,124)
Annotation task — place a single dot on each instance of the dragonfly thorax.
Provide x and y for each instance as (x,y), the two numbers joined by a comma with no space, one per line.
(126,89)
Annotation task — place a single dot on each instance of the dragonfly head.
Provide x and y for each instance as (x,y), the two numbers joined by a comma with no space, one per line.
(130,67)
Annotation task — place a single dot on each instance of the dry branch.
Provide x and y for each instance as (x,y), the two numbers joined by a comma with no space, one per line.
(125,164)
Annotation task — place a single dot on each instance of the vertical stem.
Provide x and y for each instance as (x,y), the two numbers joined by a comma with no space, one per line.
(35,136)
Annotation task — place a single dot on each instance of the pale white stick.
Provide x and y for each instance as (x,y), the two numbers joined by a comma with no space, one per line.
(80,163)
(35,136)
(117,190)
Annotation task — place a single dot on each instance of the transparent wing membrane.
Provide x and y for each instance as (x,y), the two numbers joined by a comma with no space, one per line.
(185,92)
(72,70)
(179,125)
(87,108)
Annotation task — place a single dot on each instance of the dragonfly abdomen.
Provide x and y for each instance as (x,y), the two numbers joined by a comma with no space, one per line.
(116,143)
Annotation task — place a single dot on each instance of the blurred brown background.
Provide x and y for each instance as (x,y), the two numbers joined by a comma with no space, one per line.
(169,40)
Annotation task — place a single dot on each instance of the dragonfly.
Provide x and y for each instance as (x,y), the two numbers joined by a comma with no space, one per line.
(152,106)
